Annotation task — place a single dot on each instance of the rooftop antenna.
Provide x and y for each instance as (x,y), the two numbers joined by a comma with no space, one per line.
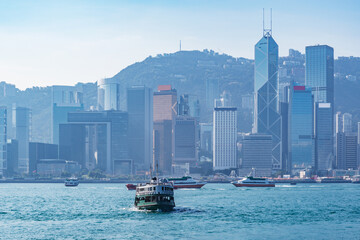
(267,32)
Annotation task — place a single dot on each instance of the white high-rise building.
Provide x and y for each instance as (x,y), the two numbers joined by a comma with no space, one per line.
(347,123)
(224,138)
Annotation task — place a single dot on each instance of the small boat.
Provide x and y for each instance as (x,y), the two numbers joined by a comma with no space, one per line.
(254,182)
(158,194)
(71,182)
(131,186)
(186,182)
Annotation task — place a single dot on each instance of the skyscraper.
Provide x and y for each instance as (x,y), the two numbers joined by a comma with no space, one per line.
(165,111)
(347,122)
(65,99)
(224,138)
(301,132)
(339,123)
(346,151)
(3,140)
(140,111)
(267,119)
(323,136)
(21,121)
(185,140)
(319,77)
(108,94)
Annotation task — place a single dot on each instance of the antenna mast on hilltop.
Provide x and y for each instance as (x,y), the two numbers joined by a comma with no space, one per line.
(267,32)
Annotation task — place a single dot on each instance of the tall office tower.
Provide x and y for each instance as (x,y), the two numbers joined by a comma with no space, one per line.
(108,94)
(185,140)
(206,130)
(346,151)
(256,155)
(323,137)
(140,111)
(224,138)
(12,155)
(212,91)
(65,99)
(301,131)
(284,112)
(358,149)
(347,123)
(97,139)
(319,77)
(165,112)
(3,140)
(21,123)
(339,123)
(267,119)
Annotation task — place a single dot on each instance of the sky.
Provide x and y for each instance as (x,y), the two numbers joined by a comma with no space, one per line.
(45,42)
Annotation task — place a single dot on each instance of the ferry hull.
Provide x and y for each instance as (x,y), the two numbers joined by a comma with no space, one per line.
(153,206)
(189,186)
(253,185)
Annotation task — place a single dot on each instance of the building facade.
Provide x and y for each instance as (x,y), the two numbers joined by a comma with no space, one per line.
(140,111)
(267,119)
(301,131)
(185,140)
(224,138)
(108,94)
(38,151)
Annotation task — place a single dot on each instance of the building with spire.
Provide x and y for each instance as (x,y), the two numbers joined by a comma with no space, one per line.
(267,119)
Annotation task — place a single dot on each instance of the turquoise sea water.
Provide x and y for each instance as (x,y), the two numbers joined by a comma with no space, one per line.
(217,211)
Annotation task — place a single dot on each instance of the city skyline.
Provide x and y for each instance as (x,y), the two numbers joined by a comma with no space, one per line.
(47,43)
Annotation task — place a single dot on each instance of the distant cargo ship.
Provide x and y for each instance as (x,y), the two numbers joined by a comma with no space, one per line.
(186,182)
(254,182)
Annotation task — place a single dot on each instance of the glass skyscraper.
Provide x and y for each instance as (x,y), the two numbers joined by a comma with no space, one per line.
(319,77)
(3,140)
(267,119)
(108,94)
(301,140)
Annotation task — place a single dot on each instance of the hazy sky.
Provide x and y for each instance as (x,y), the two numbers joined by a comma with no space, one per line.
(63,42)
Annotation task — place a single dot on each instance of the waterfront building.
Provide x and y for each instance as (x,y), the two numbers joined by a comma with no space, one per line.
(12,156)
(339,123)
(346,151)
(65,99)
(185,140)
(284,112)
(323,137)
(301,131)
(206,130)
(267,119)
(224,138)
(165,111)
(256,155)
(347,123)
(3,140)
(108,94)
(140,135)
(319,77)
(97,139)
(39,151)
(56,167)
(21,121)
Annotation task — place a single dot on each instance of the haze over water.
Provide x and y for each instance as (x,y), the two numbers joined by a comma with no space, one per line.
(217,211)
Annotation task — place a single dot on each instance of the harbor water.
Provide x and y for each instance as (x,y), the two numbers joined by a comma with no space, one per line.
(217,211)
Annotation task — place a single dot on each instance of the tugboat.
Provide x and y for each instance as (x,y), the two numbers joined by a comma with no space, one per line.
(186,182)
(254,182)
(158,194)
(71,182)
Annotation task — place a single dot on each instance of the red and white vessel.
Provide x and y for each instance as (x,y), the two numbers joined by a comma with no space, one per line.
(186,182)
(254,182)
(131,186)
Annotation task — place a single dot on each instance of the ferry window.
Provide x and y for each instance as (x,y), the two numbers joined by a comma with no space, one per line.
(162,188)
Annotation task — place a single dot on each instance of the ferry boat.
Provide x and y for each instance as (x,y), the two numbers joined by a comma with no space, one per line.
(186,182)
(158,194)
(71,182)
(254,182)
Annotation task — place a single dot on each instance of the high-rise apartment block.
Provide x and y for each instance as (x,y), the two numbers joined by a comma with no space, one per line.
(225,138)
(3,140)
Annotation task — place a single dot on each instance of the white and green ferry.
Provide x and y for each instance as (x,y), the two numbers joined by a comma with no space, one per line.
(156,195)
